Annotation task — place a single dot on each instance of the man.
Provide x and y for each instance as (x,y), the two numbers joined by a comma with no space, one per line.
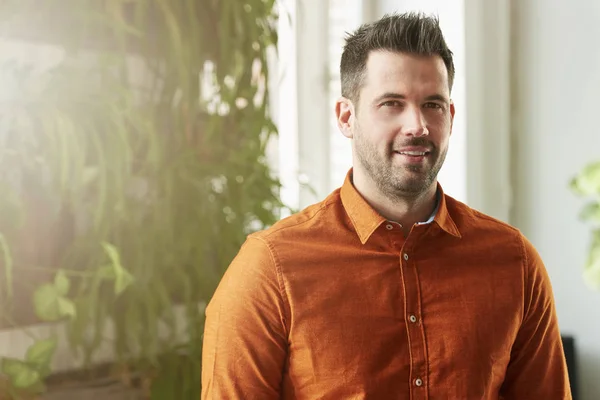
(388,289)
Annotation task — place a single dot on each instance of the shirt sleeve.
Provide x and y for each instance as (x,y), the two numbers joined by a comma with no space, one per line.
(245,337)
(537,368)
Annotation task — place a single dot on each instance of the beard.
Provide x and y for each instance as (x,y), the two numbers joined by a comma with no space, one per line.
(399,181)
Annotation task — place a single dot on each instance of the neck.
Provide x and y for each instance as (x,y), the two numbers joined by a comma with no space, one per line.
(405,210)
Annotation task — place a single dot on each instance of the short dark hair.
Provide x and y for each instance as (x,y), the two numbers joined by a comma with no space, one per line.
(414,33)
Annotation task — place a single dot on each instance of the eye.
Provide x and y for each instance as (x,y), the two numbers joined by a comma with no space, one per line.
(391,103)
(433,105)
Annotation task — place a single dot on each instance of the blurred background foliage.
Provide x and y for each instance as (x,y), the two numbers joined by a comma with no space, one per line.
(587,185)
(131,171)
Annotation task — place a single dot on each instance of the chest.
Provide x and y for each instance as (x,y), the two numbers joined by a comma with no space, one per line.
(379,321)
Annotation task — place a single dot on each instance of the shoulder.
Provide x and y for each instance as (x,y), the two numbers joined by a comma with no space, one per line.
(476,224)
(473,222)
(492,234)
(306,222)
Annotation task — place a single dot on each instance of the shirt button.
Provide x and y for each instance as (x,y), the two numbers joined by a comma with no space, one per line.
(405,257)
(412,318)
(389,227)
(418,382)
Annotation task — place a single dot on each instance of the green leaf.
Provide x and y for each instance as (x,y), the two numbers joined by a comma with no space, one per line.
(122,281)
(587,182)
(50,305)
(11,366)
(62,283)
(66,307)
(106,272)
(113,253)
(41,352)
(591,212)
(21,375)
(45,301)
(122,277)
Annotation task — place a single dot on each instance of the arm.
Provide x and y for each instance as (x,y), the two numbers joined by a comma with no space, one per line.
(245,339)
(537,368)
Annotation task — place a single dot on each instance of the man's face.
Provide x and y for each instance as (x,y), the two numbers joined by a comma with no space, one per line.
(402,123)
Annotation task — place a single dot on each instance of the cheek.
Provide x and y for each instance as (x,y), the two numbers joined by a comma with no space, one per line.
(438,117)
(383,129)
(372,141)
(441,126)
(369,128)
(442,141)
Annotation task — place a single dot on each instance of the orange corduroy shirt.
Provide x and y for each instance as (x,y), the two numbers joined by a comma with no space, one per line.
(335,303)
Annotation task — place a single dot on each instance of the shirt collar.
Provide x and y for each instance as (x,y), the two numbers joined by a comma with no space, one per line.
(366,220)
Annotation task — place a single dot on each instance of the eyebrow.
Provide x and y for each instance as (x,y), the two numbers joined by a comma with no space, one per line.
(398,96)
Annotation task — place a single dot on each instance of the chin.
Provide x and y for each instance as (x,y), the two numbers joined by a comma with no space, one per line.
(412,185)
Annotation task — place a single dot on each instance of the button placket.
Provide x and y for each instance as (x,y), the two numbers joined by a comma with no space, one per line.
(415,329)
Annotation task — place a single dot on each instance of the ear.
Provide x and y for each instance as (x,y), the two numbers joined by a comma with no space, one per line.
(344,112)
(452,111)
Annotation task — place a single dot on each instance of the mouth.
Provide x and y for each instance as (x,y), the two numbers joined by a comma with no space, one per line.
(413,153)
(412,156)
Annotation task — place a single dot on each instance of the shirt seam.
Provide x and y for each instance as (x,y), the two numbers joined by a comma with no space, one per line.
(480,215)
(526,293)
(273,230)
(281,285)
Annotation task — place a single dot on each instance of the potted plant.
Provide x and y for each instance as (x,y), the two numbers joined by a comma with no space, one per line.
(587,184)
(132,169)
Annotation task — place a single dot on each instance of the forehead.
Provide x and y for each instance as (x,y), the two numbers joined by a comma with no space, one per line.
(406,74)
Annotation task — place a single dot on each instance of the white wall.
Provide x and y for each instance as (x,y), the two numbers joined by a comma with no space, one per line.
(557,87)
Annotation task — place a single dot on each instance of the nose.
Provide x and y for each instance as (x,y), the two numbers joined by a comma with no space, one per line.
(413,123)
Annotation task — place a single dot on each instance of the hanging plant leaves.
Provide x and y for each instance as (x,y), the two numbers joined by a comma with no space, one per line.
(115,271)
(148,103)
(51,305)
(61,283)
(21,375)
(41,352)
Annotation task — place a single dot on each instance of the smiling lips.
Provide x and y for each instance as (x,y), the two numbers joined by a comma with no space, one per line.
(413,154)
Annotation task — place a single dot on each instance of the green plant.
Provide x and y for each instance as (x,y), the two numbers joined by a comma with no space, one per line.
(27,375)
(131,172)
(587,183)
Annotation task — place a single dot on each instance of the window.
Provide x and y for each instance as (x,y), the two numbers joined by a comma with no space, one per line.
(344,17)
(313,156)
